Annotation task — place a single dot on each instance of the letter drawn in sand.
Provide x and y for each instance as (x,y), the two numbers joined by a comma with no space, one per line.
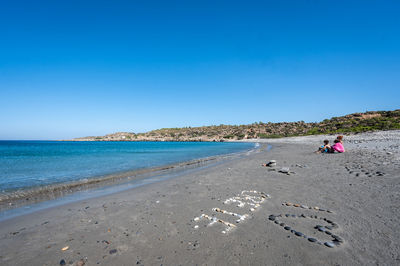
(250,198)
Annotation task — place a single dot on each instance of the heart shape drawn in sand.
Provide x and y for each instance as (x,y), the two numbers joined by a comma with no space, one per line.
(336,240)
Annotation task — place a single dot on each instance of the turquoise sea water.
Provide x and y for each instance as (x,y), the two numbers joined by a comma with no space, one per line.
(29,164)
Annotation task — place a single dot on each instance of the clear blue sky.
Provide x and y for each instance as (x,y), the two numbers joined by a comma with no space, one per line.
(77,68)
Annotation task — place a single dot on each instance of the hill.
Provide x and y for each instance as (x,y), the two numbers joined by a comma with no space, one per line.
(352,123)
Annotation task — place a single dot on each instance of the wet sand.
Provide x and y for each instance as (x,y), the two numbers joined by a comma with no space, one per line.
(156,224)
(20,198)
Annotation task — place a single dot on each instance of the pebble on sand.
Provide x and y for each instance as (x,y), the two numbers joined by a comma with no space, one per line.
(284,170)
(329,244)
(297,233)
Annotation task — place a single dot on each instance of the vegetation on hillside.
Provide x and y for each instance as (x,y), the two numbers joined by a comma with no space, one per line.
(353,123)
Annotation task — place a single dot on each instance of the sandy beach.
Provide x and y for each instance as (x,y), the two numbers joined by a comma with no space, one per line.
(348,203)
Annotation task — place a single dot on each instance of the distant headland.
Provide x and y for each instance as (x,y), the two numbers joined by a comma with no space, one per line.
(352,123)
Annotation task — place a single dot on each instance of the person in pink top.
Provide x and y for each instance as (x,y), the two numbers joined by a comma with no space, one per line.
(338,146)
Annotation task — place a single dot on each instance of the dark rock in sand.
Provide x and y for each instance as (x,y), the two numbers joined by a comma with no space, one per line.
(287,227)
(337,238)
(113,251)
(312,239)
(329,244)
(62,262)
(299,233)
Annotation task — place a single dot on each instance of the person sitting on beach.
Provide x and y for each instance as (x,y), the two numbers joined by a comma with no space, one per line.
(324,148)
(338,146)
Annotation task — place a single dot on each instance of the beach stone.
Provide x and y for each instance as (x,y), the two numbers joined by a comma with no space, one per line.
(62,262)
(276,221)
(321,229)
(329,244)
(312,239)
(297,233)
(304,206)
(337,243)
(282,224)
(287,227)
(284,170)
(113,251)
(337,238)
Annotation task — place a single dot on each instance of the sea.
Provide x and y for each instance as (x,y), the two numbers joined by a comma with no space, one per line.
(33,165)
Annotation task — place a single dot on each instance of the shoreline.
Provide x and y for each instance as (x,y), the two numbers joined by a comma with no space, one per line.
(165,222)
(32,196)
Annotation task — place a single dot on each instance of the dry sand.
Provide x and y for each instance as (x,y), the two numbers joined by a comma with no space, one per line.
(155,224)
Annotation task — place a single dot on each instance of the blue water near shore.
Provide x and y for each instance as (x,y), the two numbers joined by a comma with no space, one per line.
(30,164)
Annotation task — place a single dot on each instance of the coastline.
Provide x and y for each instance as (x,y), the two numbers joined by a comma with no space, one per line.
(32,196)
(157,223)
